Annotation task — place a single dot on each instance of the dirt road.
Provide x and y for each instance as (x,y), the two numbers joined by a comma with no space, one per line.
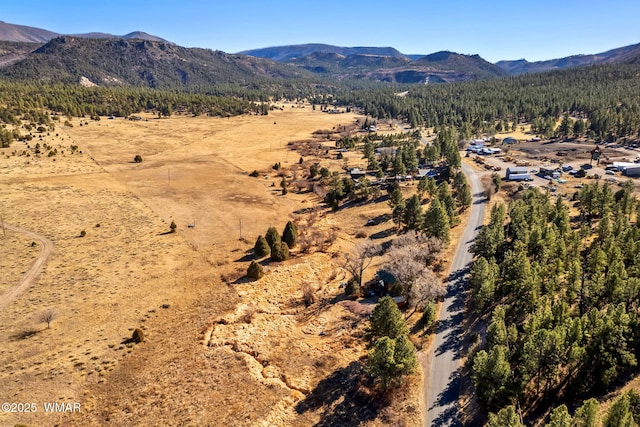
(31,275)
(442,362)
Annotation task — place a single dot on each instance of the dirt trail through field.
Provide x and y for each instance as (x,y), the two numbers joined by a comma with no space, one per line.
(31,275)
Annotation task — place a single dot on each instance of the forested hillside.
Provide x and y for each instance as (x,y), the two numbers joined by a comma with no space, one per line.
(564,294)
(141,63)
(606,96)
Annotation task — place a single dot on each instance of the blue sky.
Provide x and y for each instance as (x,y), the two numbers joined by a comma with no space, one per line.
(494,29)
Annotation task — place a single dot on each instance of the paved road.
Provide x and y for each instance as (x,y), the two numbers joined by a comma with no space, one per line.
(442,362)
(30,277)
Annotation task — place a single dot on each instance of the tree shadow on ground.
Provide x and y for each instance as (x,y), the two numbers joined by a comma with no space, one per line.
(23,335)
(449,398)
(343,398)
(384,233)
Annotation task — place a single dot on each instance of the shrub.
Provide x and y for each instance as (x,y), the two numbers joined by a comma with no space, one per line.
(254,174)
(279,252)
(173,226)
(307,294)
(83,233)
(351,288)
(138,336)
(290,234)
(261,248)
(137,158)
(272,236)
(429,314)
(255,270)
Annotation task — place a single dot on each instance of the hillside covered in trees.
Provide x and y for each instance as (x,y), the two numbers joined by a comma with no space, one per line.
(564,297)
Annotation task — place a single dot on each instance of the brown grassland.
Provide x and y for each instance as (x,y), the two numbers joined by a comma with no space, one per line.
(218,350)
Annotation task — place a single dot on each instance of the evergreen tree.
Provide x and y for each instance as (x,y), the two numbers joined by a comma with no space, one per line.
(261,248)
(290,234)
(560,417)
(390,360)
(492,376)
(255,270)
(587,414)
(279,252)
(436,222)
(272,237)
(449,203)
(386,320)
(413,215)
(619,414)
(506,417)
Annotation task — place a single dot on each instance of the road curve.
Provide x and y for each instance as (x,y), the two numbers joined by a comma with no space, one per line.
(30,277)
(441,363)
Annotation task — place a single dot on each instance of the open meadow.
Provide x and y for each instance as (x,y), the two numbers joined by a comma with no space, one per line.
(218,350)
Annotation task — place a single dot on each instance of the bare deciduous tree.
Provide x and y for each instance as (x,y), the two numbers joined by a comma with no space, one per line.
(48,316)
(409,257)
(357,261)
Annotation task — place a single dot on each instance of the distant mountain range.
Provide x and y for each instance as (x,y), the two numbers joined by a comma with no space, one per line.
(22,33)
(381,63)
(141,59)
(622,54)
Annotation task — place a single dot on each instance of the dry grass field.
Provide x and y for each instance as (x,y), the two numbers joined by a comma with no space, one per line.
(215,353)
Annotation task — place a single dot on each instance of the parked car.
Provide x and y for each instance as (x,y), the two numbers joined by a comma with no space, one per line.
(609,172)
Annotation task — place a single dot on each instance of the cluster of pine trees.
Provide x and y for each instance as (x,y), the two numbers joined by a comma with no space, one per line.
(445,201)
(20,99)
(564,295)
(392,356)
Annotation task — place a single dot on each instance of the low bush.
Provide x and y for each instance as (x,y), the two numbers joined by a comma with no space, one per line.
(255,270)
(138,336)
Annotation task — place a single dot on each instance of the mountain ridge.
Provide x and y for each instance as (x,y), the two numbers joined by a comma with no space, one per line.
(114,61)
(23,33)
